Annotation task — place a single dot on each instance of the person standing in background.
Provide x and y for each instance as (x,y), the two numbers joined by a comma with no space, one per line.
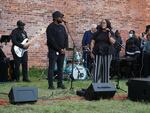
(117,46)
(86,40)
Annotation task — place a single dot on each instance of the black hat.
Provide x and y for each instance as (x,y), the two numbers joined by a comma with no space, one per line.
(20,23)
(57,14)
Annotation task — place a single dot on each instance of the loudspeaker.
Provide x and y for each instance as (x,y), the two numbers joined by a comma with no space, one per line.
(3,71)
(139,89)
(100,90)
(23,94)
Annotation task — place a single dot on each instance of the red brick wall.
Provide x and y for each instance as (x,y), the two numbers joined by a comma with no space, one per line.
(80,14)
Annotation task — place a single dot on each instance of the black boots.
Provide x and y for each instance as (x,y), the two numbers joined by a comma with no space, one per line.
(60,85)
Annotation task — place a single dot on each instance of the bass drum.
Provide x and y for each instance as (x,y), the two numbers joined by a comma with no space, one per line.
(79,72)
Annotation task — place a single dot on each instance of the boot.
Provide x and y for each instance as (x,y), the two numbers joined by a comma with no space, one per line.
(60,85)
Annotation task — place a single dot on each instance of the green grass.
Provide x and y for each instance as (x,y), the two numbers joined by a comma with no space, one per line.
(52,101)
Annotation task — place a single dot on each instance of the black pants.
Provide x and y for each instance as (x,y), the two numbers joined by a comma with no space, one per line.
(20,61)
(53,59)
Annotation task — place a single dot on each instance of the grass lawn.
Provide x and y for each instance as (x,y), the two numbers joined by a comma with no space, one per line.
(66,101)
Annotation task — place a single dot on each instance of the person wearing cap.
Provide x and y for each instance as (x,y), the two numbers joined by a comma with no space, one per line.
(57,42)
(18,35)
(86,40)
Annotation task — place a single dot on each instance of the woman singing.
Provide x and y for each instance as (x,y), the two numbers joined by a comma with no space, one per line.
(102,50)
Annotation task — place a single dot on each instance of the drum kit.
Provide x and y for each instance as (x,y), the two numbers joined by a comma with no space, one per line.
(78,72)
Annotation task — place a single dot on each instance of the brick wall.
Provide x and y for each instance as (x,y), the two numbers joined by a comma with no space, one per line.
(80,14)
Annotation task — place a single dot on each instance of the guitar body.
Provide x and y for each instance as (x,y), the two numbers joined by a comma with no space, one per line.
(20,51)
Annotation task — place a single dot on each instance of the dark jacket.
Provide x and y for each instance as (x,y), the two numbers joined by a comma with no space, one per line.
(17,36)
(57,37)
(87,38)
(117,46)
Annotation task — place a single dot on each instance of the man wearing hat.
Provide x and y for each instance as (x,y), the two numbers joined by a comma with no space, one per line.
(57,42)
(18,35)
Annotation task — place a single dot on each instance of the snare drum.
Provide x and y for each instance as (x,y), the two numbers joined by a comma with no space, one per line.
(79,72)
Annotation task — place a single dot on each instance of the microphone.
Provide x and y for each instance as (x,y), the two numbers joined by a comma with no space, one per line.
(64,21)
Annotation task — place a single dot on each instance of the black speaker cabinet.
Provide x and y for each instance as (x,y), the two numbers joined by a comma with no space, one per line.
(100,90)
(23,94)
(139,89)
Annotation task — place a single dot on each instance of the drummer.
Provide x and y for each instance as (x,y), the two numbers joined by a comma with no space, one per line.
(86,40)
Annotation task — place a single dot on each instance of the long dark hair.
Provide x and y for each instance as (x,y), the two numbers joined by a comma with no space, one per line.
(99,27)
(108,24)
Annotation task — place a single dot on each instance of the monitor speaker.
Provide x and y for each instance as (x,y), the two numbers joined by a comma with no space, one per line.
(139,89)
(23,94)
(100,90)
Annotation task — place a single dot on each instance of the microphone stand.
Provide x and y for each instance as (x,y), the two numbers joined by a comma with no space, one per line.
(73,59)
(118,73)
